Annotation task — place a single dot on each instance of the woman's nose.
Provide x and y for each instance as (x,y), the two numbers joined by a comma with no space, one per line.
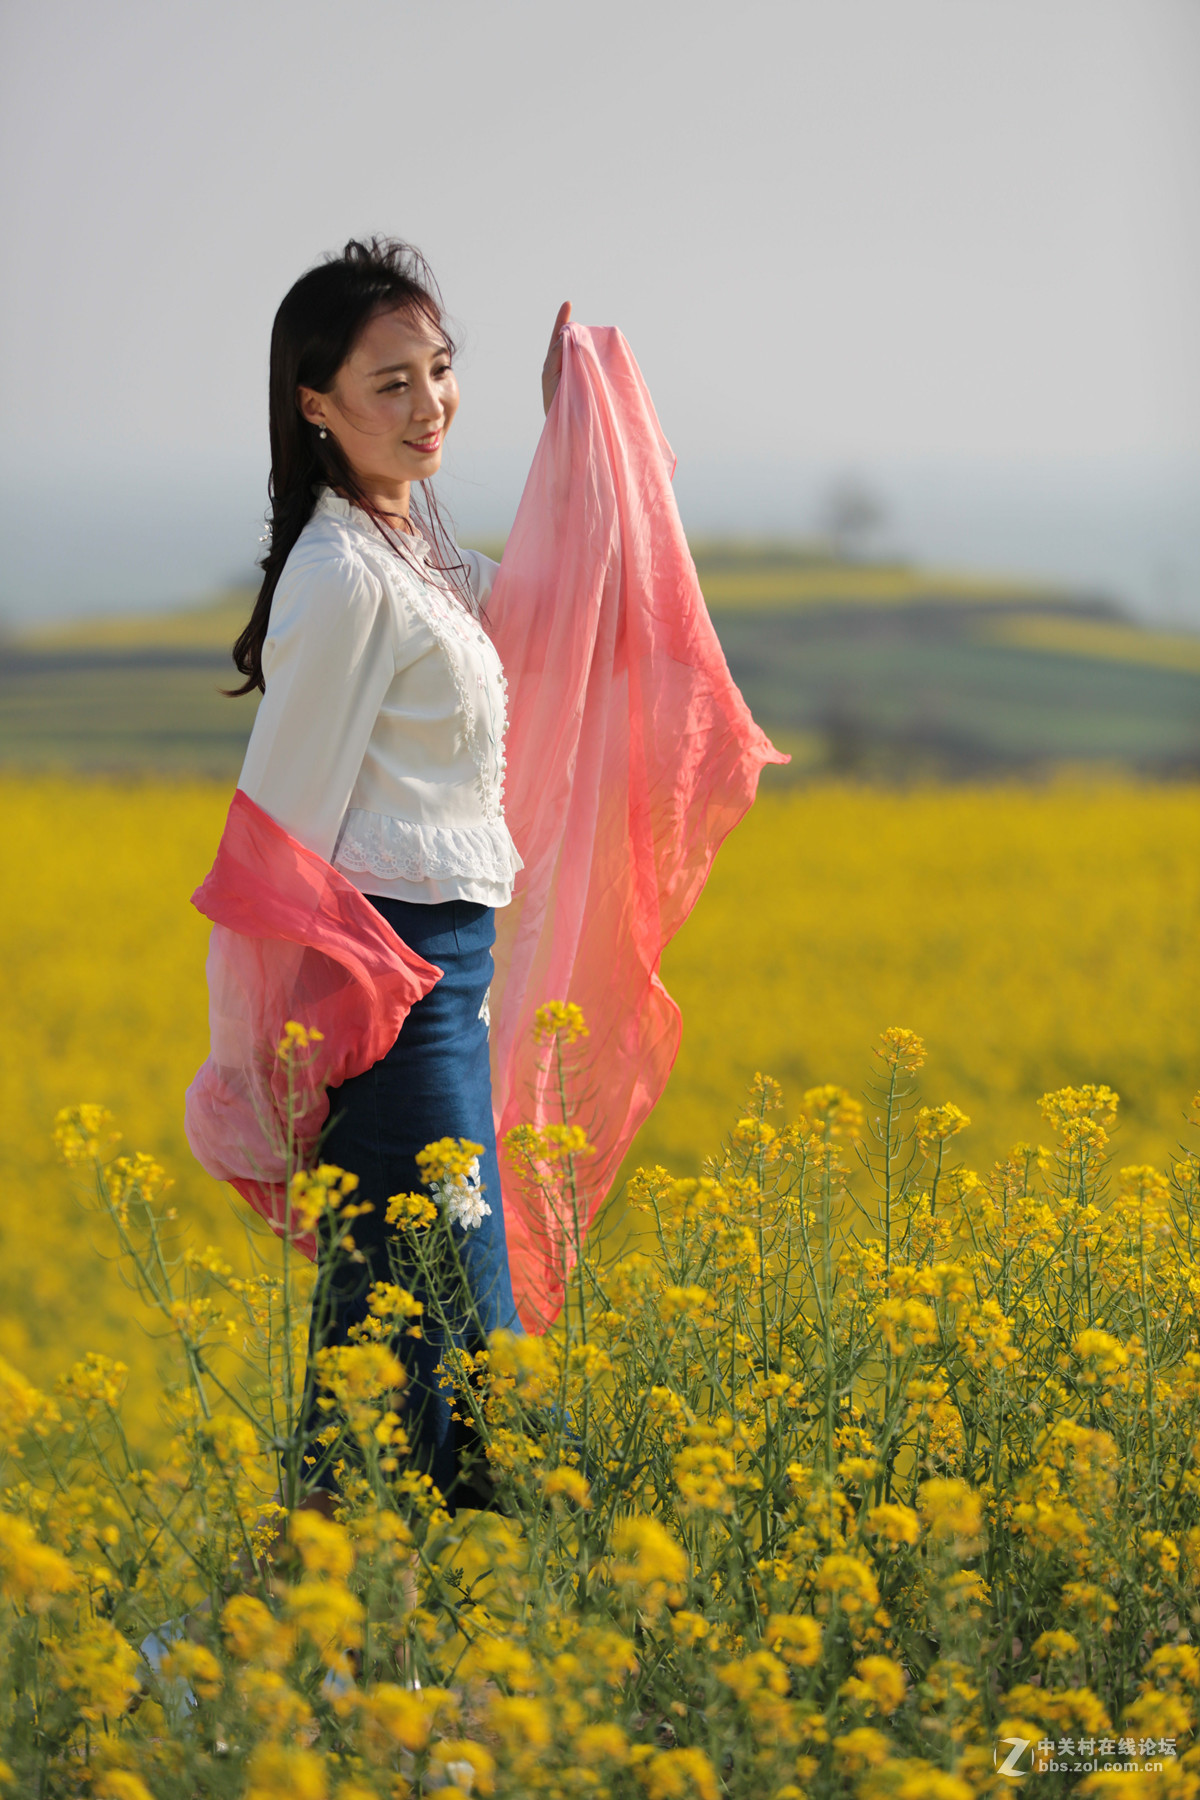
(426,403)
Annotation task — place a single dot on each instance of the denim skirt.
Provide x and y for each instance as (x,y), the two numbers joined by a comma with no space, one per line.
(434,1082)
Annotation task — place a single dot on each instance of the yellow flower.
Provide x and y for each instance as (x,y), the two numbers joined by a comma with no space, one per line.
(1098,1104)
(907,1325)
(1140,1181)
(137,1177)
(609,1656)
(704,1474)
(862,1749)
(277,1772)
(317,1191)
(1093,1603)
(98,1668)
(952,1510)
(276,1709)
(751,1674)
(694,1303)
(1072,1709)
(1050,1522)
(466,1763)
(880,1683)
(860,1469)
(1101,1355)
(1154,1714)
(253,1633)
(898,1524)
(1054,1643)
(525,1360)
(529,1145)
(448,1160)
(394,1715)
(1160,1551)
(559,1019)
(31,1573)
(602,1743)
(358,1375)
(503,1658)
(85,1134)
(795,1637)
(97,1381)
(519,1720)
(1177,1665)
(836,1109)
(414,1211)
(231,1439)
(387,1301)
(120,1784)
(938,1124)
(196,1665)
(849,1582)
(903,1051)
(324,1545)
(22,1408)
(570,1483)
(985,1334)
(297,1039)
(647,1553)
(679,1775)
(330,1616)
(756,1136)
(912,1778)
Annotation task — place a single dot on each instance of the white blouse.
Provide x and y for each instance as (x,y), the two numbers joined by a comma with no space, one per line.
(379,742)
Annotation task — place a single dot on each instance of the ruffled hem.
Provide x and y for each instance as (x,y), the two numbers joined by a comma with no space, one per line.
(373,844)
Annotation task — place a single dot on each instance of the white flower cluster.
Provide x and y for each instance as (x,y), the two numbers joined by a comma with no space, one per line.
(463,1200)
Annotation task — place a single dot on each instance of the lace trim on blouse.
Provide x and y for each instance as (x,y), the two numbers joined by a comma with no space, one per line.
(446,618)
(427,591)
(373,844)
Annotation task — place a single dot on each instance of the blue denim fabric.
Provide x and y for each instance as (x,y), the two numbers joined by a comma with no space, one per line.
(434,1082)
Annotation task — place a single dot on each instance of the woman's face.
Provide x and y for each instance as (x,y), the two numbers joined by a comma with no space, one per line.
(391,402)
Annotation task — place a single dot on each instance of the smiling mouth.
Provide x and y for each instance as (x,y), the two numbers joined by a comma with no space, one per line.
(426,445)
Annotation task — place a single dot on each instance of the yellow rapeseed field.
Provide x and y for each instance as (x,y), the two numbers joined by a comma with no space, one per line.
(865,1479)
(1034,937)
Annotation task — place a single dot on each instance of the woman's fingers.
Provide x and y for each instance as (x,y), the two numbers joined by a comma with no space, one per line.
(552,367)
(564,314)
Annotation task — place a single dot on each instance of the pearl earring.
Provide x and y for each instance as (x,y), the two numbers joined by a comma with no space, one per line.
(324,432)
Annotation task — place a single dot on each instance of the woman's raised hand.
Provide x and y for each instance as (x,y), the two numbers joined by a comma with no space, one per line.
(552,367)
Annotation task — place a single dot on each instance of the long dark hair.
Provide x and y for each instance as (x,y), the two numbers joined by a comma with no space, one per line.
(315,330)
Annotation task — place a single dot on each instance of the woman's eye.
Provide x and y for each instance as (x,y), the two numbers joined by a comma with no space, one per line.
(393,387)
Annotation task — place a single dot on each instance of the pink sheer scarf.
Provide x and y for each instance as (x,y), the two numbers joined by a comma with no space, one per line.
(291,939)
(631,755)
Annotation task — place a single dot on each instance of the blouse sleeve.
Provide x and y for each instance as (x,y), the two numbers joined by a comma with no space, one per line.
(328,661)
(483,571)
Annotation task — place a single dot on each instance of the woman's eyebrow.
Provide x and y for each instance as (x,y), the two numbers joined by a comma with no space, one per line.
(393,368)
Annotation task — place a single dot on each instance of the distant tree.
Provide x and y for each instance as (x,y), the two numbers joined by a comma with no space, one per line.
(851,515)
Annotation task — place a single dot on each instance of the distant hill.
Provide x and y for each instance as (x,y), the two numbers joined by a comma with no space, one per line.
(881,670)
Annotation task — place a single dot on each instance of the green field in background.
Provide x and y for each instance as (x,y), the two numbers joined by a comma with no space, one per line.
(879,671)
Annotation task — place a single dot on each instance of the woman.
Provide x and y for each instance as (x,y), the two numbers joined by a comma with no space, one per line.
(367,848)
(379,745)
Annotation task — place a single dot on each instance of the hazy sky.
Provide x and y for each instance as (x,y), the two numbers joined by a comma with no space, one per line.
(883,234)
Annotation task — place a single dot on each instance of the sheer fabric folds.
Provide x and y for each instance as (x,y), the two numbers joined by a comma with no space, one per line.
(291,939)
(631,755)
